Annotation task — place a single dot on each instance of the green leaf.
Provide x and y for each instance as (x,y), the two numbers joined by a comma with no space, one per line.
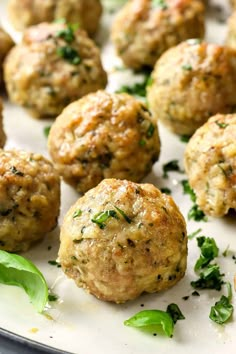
(17,270)
(210,278)
(46,130)
(154,319)
(124,215)
(209,251)
(196,214)
(188,190)
(175,313)
(194,233)
(170,166)
(222,310)
(103,216)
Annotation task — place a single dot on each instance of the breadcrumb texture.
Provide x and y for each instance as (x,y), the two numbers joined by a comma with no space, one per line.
(26,13)
(30,199)
(40,79)
(123,259)
(101,136)
(190,83)
(143,30)
(210,163)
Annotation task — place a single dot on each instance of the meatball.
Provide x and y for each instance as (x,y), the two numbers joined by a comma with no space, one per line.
(142,31)
(30,199)
(231,33)
(101,136)
(5,45)
(192,82)
(53,66)
(210,163)
(2,134)
(25,13)
(122,239)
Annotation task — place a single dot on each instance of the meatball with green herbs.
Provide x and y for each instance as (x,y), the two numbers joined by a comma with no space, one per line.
(122,239)
(29,199)
(144,29)
(103,135)
(26,13)
(190,83)
(210,163)
(54,65)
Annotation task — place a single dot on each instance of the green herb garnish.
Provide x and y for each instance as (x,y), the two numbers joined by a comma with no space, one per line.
(185,138)
(54,263)
(187,67)
(170,166)
(210,278)
(67,33)
(150,131)
(103,216)
(209,251)
(52,297)
(175,313)
(46,130)
(152,321)
(194,233)
(17,270)
(77,213)
(137,89)
(16,172)
(195,212)
(165,190)
(221,125)
(160,3)
(223,309)
(69,54)
(225,253)
(123,214)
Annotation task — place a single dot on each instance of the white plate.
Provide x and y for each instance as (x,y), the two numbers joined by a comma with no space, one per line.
(79,323)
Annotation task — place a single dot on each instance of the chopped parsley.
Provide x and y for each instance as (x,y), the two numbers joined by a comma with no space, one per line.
(195,212)
(170,166)
(221,125)
(225,253)
(54,263)
(160,3)
(16,172)
(185,138)
(52,297)
(175,313)
(77,213)
(165,190)
(209,251)
(187,67)
(194,233)
(67,33)
(137,89)
(123,214)
(210,278)
(69,54)
(150,131)
(223,309)
(103,216)
(46,130)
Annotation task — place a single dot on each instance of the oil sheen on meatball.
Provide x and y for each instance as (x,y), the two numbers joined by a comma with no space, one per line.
(2,133)
(101,136)
(30,199)
(210,163)
(145,29)
(25,13)
(53,66)
(122,239)
(5,45)
(192,82)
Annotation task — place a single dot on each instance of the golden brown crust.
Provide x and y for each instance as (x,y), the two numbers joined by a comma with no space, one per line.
(192,82)
(30,199)
(141,32)
(124,258)
(101,136)
(40,78)
(210,163)
(26,13)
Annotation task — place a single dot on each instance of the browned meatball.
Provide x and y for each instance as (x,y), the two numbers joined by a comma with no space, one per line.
(53,66)
(102,136)
(25,13)
(190,83)
(145,29)
(30,199)
(5,45)
(122,239)
(2,133)
(210,163)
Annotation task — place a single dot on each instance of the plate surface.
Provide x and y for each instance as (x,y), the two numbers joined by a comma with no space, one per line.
(78,322)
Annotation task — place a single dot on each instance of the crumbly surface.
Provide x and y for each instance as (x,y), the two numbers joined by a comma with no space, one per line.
(210,163)
(6,43)
(231,30)
(141,248)
(30,199)
(40,73)
(26,13)
(102,136)
(142,31)
(190,83)
(2,133)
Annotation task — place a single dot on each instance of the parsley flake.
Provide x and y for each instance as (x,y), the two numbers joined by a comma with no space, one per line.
(69,54)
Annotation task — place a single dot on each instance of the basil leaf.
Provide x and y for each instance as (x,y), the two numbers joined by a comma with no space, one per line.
(209,251)
(18,271)
(222,310)
(175,313)
(150,320)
